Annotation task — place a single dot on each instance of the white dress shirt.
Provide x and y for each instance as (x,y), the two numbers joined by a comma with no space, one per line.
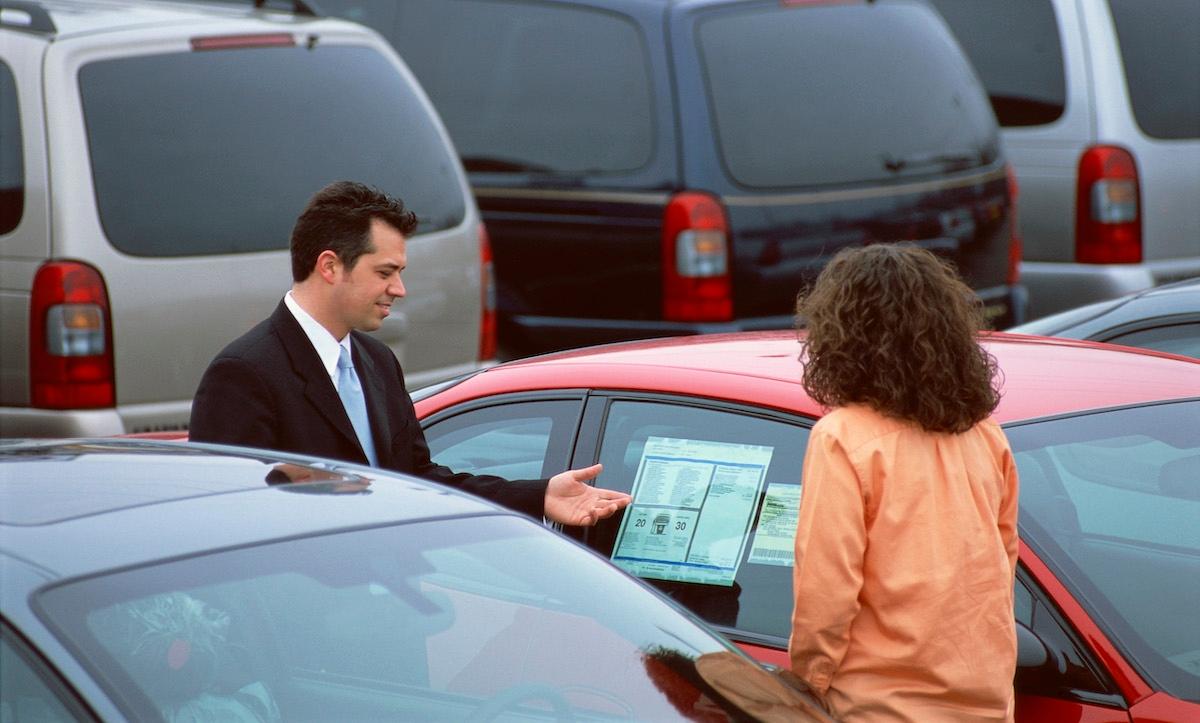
(327,347)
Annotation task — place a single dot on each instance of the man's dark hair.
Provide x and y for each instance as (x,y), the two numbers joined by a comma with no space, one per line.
(338,218)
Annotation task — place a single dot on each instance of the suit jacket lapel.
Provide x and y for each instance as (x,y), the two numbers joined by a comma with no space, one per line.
(318,388)
(376,395)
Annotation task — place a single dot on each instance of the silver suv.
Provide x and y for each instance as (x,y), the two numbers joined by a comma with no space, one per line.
(152,161)
(1099,106)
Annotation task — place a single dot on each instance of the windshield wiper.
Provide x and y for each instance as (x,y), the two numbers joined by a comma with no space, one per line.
(503,165)
(955,161)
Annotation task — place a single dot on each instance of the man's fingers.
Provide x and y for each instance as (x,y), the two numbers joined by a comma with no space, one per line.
(587,473)
(612,495)
(604,510)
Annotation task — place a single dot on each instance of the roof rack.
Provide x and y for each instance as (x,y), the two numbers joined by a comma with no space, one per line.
(299,7)
(26,16)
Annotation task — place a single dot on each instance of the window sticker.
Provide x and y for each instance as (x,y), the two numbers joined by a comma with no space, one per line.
(775,539)
(693,502)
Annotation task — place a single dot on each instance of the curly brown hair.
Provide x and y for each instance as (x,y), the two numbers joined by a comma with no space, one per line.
(894,327)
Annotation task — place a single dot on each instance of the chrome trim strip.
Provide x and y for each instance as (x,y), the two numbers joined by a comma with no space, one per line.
(657,199)
(782,199)
(855,194)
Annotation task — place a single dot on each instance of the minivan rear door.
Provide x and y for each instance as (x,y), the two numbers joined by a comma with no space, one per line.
(181,163)
(562,115)
(832,124)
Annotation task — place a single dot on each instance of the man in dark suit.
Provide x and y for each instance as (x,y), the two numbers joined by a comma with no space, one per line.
(308,380)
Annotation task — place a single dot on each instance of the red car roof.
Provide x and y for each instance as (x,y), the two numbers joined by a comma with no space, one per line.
(1041,376)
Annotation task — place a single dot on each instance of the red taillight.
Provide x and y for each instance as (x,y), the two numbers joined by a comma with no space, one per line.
(1108,219)
(256,40)
(695,260)
(487,322)
(70,338)
(1014,239)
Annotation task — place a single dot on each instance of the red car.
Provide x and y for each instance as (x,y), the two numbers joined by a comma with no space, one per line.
(708,433)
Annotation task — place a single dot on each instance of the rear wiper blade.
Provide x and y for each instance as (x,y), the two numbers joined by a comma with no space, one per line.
(496,163)
(950,161)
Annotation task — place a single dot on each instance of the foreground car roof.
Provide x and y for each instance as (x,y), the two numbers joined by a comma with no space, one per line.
(1041,376)
(74,507)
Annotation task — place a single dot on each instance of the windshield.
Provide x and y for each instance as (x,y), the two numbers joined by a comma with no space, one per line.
(1160,49)
(842,93)
(1016,48)
(529,87)
(1111,501)
(481,618)
(215,152)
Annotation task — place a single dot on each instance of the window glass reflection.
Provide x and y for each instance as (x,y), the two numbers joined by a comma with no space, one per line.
(429,621)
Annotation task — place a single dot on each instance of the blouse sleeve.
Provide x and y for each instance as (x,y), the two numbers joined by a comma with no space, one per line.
(1008,510)
(831,542)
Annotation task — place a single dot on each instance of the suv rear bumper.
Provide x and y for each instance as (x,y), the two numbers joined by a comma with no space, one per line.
(1004,306)
(525,335)
(122,419)
(1057,286)
(152,417)
(25,422)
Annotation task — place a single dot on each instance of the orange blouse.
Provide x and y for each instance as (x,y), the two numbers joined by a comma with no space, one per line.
(905,554)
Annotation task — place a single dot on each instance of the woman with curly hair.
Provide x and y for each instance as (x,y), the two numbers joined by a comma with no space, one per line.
(906,545)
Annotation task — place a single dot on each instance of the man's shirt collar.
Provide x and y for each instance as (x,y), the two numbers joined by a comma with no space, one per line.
(328,348)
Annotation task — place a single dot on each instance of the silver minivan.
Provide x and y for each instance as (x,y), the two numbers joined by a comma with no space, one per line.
(152,161)
(1099,104)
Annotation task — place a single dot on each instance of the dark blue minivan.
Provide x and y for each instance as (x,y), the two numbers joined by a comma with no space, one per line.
(659,167)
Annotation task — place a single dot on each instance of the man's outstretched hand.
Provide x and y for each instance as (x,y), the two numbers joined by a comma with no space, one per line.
(570,500)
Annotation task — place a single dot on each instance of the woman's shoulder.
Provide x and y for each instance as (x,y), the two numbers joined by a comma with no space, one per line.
(858,423)
(990,430)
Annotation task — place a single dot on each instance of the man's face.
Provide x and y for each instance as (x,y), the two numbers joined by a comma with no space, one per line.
(363,295)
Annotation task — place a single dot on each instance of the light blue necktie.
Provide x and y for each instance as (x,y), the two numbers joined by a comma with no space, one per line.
(356,405)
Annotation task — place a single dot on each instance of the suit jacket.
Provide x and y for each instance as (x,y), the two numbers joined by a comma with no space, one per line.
(269,389)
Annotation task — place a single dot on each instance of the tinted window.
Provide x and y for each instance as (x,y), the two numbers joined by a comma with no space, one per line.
(713,518)
(217,151)
(1160,47)
(826,94)
(28,692)
(1110,501)
(1015,48)
(529,86)
(1178,339)
(447,620)
(12,165)
(527,440)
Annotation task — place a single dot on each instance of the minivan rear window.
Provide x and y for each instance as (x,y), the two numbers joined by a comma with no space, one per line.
(532,87)
(12,166)
(1016,49)
(215,152)
(1160,47)
(840,94)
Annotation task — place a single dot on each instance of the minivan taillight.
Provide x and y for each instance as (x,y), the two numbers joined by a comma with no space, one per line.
(70,338)
(1108,219)
(487,320)
(695,259)
(1014,238)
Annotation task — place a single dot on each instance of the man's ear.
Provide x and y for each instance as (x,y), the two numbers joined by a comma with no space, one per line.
(329,266)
